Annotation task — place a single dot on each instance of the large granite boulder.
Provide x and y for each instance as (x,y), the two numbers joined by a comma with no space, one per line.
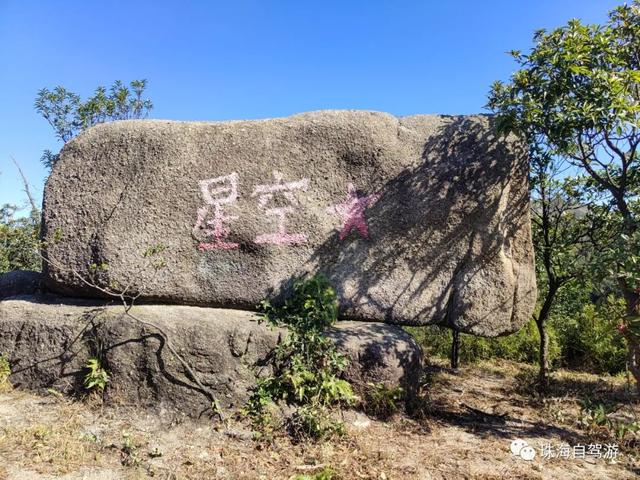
(415,220)
(48,341)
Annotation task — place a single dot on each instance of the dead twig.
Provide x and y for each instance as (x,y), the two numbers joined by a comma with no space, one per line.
(25,183)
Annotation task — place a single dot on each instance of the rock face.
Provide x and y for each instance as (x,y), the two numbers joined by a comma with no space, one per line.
(49,339)
(20,282)
(414,220)
(379,353)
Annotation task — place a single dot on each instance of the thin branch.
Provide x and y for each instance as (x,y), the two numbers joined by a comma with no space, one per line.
(584,160)
(614,147)
(25,183)
(184,363)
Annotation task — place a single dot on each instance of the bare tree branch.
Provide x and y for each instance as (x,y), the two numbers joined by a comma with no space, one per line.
(25,183)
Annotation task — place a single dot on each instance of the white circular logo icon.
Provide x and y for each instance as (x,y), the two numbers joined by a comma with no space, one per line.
(527,453)
(517,445)
(522,449)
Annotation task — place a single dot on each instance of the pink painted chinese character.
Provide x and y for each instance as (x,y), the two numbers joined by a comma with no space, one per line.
(265,195)
(216,193)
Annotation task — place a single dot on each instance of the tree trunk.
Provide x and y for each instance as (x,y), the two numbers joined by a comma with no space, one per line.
(455,349)
(632,300)
(543,353)
(543,357)
(634,362)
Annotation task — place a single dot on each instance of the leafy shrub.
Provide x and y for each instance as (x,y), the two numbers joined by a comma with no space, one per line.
(589,340)
(521,346)
(307,366)
(68,115)
(96,377)
(130,451)
(382,401)
(314,421)
(19,240)
(582,335)
(597,418)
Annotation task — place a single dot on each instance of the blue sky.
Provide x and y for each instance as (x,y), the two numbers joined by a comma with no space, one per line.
(208,60)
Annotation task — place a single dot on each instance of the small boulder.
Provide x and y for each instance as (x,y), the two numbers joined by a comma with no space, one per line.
(379,354)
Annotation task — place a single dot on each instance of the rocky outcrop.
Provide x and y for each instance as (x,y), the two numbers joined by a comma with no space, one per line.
(414,220)
(48,341)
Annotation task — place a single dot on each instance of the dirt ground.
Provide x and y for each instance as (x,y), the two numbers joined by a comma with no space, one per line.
(469,419)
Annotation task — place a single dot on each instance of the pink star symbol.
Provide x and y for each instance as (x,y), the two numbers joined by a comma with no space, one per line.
(351,211)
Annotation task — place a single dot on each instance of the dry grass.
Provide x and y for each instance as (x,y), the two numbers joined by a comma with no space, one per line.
(52,441)
(467,423)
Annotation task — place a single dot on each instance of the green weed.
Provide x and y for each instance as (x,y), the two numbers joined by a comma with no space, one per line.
(307,366)
(96,377)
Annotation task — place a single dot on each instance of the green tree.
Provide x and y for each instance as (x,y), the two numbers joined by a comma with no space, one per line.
(69,115)
(562,233)
(19,240)
(577,96)
(19,236)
